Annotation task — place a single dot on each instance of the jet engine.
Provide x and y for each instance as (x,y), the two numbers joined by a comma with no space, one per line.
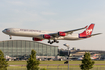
(37,39)
(46,36)
(61,33)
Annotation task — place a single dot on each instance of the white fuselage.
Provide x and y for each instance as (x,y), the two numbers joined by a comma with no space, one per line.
(37,34)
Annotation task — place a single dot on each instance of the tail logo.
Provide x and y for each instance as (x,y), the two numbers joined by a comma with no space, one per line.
(88,31)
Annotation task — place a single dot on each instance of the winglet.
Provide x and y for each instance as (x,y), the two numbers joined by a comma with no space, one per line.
(86,26)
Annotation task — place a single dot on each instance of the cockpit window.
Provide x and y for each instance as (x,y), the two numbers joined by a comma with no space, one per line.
(7,30)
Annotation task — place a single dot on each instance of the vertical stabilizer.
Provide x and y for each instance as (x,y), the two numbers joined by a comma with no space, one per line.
(87,32)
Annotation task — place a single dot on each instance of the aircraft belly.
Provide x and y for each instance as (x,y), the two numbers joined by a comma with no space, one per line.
(71,37)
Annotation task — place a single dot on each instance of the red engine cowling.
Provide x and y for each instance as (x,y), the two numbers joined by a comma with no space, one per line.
(37,39)
(61,33)
(46,36)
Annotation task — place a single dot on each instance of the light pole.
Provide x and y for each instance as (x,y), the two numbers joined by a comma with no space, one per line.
(68,53)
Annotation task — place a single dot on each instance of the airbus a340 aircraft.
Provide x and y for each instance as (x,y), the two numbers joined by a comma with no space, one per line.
(38,35)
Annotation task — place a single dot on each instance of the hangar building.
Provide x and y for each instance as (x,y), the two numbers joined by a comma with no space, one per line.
(19,48)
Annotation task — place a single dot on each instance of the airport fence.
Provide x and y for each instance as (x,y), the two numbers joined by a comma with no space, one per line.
(57,67)
(95,68)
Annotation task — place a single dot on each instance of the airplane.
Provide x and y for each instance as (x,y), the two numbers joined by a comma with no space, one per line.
(38,35)
(92,57)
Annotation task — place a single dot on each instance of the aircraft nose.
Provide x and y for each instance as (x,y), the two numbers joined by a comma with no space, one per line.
(4,31)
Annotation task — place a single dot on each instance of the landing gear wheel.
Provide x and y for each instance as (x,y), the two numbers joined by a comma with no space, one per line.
(10,37)
(54,40)
(49,41)
(57,41)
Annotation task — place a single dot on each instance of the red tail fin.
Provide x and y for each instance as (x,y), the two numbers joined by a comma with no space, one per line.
(88,31)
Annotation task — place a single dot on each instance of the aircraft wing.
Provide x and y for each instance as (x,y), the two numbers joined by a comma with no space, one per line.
(71,31)
(67,32)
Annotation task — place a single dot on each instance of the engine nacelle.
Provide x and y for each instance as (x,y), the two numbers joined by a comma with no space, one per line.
(61,33)
(46,36)
(37,39)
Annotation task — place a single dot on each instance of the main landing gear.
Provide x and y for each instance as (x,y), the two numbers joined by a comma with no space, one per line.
(53,41)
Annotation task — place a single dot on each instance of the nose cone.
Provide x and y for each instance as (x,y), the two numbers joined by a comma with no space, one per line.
(3,31)
(6,31)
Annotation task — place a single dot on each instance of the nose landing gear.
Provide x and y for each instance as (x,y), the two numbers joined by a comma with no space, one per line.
(10,37)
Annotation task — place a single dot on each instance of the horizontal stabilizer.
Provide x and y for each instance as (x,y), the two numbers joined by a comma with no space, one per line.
(92,35)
